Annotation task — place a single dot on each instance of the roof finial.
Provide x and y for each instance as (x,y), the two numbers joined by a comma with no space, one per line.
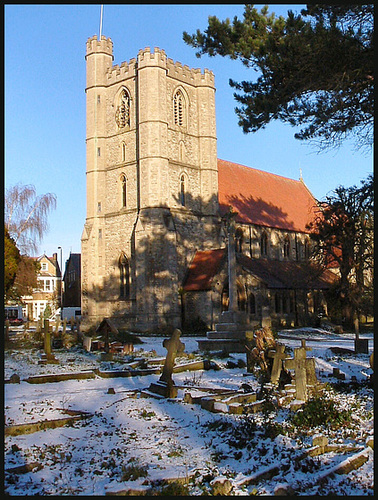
(300,174)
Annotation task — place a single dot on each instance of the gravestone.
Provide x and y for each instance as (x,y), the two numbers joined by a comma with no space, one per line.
(48,357)
(165,385)
(278,356)
(257,345)
(298,364)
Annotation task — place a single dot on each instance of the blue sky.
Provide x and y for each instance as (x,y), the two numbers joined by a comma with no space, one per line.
(45,103)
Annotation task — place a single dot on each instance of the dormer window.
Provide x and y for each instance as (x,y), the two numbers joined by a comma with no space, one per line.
(123,110)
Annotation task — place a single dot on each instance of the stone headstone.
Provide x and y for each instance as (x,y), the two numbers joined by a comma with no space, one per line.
(165,386)
(278,356)
(298,364)
(87,342)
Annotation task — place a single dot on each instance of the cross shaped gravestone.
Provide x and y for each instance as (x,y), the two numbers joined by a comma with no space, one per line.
(165,386)
(278,356)
(49,356)
(310,366)
(298,364)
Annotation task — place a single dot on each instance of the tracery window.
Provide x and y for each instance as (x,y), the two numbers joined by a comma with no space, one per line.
(124,276)
(264,244)
(179,108)
(123,110)
(124,190)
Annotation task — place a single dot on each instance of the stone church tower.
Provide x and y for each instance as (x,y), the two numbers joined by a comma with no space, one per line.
(152,185)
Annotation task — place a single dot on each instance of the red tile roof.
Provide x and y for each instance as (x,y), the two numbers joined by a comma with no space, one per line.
(264,199)
(203,268)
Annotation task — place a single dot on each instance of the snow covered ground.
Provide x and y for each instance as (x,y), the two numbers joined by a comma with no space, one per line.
(130,442)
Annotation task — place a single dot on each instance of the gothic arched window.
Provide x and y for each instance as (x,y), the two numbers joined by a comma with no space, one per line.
(264,244)
(124,277)
(286,247)
(182,190)
(124,190)
(179,108)
(123,110)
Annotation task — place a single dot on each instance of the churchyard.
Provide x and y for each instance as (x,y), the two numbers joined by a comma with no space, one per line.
(93,416)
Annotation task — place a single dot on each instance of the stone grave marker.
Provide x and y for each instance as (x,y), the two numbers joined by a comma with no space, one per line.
(278,356)
(298,364)
(48,356)
(165,386)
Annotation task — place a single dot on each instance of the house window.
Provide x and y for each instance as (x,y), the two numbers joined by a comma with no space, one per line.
(44,266)
(124,275)
(179,108)
(264,244)
(286,247)
(123,110)
(124,190)
(47,286)
(182,190)
(239,240)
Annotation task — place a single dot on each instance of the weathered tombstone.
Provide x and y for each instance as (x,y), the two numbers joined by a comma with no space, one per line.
(165,385)
(298,364)
(310,366)
(87,343)
(49,356)
(278,356)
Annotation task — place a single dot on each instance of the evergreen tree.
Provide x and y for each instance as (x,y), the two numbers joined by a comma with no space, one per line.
(343,233)
(315,69)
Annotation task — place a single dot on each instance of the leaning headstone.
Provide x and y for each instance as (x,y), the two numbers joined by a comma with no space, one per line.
(165,386)
(278,356)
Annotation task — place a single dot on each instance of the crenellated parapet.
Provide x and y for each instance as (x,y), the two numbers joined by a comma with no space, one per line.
(105,45)
(194,76)
(121,72)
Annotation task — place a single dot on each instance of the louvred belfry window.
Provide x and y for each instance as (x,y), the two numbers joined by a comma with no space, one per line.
(179,108)
(123,110)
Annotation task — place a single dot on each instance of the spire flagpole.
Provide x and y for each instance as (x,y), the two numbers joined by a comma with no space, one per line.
(102,8)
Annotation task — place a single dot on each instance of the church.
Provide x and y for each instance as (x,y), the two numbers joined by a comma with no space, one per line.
(161,205)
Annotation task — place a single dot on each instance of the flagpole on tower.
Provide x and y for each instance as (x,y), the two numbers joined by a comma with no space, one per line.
(102,8)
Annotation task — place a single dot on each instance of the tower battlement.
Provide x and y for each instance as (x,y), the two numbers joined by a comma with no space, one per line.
(122,71)
(190,75)
(105,45)
(155,58)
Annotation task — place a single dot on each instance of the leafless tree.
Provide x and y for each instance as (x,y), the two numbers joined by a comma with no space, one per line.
(25,216)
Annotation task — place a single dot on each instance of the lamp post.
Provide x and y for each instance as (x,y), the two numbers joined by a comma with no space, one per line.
(61,281)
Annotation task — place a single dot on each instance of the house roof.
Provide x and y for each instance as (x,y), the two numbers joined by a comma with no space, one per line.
(203,268)
(275,274)
(263,198)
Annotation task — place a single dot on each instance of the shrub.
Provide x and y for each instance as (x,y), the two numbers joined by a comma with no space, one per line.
(320,411)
